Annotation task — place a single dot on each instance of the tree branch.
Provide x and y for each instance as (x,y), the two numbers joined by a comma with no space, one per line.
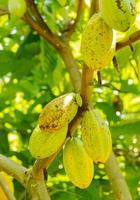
(35,185)
(128,41)
(87,85)
(119,186)
(3,12)
(112,87)
(12,168)
(86,93)
(76,80)
(71,65)
(6,190)
(94,8)
(44,32)
(71,28)
(43,164)
(37,15)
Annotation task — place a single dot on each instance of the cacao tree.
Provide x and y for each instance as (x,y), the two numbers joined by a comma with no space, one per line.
(69,99)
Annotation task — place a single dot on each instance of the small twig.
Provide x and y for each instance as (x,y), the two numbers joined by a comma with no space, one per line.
(109,85)
(37,15)
(131,47)
(99,77)
(5,189)
(135,71)
(115,64)
(71,28)
(128,41)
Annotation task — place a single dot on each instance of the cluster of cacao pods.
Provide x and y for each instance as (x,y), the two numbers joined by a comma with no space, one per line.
(51,132)
(99,39)
(95,145)
(78,155)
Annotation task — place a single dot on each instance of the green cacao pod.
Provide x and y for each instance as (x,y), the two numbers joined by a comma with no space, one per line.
(17,7)
(59,112)
(77,164)
(42,145)
(119,14)
(96,136)
(98,43)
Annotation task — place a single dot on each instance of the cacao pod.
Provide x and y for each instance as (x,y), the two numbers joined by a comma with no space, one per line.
(17,7)
(59,112)
(96,136)
(98,43)
(78,165)
(8,180)
(42,145)
(119,14)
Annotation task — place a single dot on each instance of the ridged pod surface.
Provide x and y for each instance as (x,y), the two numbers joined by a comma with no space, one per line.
(59,112)
(8,180)
(118,14)
(98,43)
(17,7)
(78,165)
(42,145)
(96,136)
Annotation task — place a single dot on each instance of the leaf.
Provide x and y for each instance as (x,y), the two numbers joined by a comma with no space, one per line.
(94,191)
(3,4)
(4,145)
(108,110)
(18,68)
(7,62)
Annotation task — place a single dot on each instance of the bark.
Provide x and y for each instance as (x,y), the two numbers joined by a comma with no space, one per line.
(118,183)
(12,168)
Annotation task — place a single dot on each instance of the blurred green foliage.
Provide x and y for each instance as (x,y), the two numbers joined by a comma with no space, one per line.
(32,73)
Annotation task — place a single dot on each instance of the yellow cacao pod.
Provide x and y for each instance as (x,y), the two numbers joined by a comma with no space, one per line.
(119,14)
(8,180)
(96,136)
(42,145)
(77,164)
(59,112)
(98,43)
